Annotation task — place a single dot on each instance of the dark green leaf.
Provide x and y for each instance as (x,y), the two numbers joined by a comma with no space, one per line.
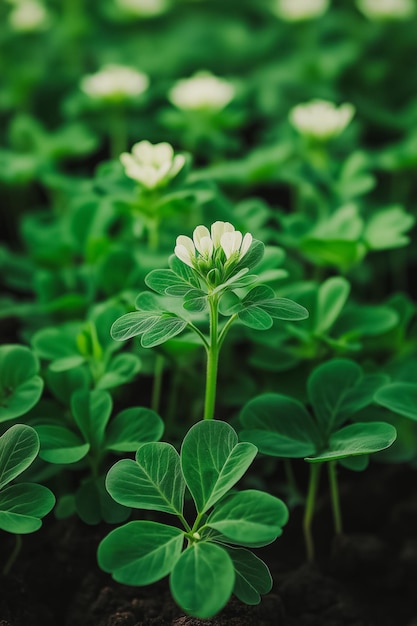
(92,411)
(19,446)
(400,398)
(132,427)
(20,387)
(23,505)
(252,577)
(60,445)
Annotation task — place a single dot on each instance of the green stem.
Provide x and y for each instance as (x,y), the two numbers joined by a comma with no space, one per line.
(117,131)
(225,330)
(212,360)
(153,233)
(309,509)
(157,382)
(13,556)
(334,493)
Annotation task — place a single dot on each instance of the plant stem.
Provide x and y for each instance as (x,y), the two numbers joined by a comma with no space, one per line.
(117,131)
(212,360)
(13,556)
(309,509)
(157,382)
(334,493)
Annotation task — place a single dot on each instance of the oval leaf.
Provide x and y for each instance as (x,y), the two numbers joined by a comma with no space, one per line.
(20,387)
(23,505)
(400,398)
(19,446)
(132,427)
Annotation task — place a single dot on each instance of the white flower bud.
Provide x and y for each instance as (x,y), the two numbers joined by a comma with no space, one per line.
(152,165)
(203,91)
(299,10)
(115,82)
(321,119)
(29,16)
(387,9)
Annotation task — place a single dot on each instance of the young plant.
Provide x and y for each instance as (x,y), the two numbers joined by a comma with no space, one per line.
(207,559)
(210,274)
(20,385)
(283,427)
(86,440)
(22,505)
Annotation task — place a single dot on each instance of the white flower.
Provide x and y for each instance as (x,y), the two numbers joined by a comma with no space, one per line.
(144,8)
(298,10)
(115,82)
(387,9)
(321,119)
(29,16)
(152,165)
(222,236)
(203,91)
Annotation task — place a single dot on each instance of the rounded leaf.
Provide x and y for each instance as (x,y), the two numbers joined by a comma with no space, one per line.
(19,446)
(20,387)
(23,505)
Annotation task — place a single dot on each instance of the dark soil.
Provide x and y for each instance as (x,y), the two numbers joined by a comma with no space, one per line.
(367,577)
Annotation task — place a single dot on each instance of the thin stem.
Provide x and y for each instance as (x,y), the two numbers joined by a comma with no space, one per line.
(334,493)
(200,334)
(309,509)
(153,233)
(117,131)
(225,329)
(13,556)
(184,522)
(157,382)
(212,360)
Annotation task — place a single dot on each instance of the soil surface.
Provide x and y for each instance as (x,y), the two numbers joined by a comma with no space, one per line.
(366,577)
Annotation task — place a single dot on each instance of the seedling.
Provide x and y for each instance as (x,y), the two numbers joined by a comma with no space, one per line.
(283,427)
(86,439)
(22,505)
(207,560)
(210,274)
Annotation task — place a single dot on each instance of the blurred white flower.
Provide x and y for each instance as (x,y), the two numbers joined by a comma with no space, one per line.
(298,10)
(152,165)
(29,16)
(387,9)
(222,236)
(321,119)
(115,82)
(144,8)
(203,91)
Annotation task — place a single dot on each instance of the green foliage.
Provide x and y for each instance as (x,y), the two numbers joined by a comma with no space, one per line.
(90,436)
(204,574)
(20,385)
(24,504)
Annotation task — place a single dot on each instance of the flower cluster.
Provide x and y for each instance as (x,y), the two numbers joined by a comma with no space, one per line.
(115,82)
(144,8)
(387,9)
(203,91)
(152,165)
(320,119)
(222,243)
(29,16)
(300,10)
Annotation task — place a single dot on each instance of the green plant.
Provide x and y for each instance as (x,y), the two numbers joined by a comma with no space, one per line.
(283,427)
(23,504)
(209,273)
(215,562)
(20,385)
(85,439)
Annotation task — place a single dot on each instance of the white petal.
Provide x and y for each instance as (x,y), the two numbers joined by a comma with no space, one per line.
(187,243)
(183,254)
(201,232)
(206,247)
(177,165)
(246,244)
(230,242)
(162,153)
(217,230)
(142,151)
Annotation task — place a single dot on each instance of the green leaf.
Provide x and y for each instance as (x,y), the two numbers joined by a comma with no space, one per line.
(163,329)
(132,427)
(357,439)
(260,305)
(57,343)
(331,392)
(255,317)
(400,398)
(252,257)
(120,370)
(63,384)
(195,300)
(92,411)
(249,516)
(20,387)
(213,461)
(94,504)
(154,481)
(186,273)
(67,363)
(140,552)
(279,426)
(385,229)
(252,577)
(19,446)
(23,505)
(331,299)
(202,579)
(365,321)
(167,282)
(60,445)
(132,324)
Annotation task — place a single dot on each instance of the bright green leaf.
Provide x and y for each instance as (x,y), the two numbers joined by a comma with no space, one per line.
(19,446)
